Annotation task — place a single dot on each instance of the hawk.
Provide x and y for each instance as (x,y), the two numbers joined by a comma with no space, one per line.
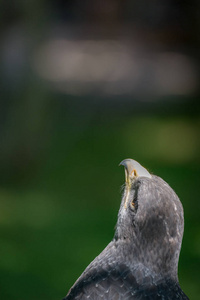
(141,261)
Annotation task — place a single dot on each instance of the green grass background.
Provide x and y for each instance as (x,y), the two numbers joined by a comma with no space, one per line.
(60,187)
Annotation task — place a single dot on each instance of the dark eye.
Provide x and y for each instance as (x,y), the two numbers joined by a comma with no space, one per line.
(134,203)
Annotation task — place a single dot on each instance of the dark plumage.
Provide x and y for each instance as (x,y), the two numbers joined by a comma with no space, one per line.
(141,261)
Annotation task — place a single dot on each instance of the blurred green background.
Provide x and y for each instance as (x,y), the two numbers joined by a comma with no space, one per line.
(83,86)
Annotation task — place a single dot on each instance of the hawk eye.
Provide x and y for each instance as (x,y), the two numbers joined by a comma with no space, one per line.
(133,203)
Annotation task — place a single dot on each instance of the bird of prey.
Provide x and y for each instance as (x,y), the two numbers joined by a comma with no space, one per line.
(141,261)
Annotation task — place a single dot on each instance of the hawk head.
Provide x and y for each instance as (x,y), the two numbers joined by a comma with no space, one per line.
(150,220)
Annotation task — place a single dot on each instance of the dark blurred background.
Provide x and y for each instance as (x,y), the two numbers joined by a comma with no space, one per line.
(85,84)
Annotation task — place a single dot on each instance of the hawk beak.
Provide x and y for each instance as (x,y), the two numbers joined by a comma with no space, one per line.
(130,171)
(133,170)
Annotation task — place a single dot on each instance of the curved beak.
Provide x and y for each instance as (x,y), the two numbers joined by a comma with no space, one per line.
(129,169)
(133,170)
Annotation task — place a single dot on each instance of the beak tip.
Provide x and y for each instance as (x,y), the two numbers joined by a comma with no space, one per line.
(124,162)
(131,165)
(120,164)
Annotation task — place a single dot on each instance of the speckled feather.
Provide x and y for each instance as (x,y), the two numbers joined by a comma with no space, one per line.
(141,261)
